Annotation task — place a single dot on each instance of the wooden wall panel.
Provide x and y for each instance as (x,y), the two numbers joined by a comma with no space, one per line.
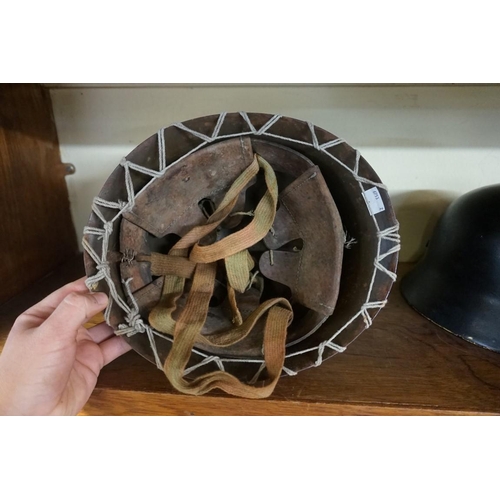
(36,230)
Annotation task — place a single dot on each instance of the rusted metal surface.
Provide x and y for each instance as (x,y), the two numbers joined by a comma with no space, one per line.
(313,271)
(170,204)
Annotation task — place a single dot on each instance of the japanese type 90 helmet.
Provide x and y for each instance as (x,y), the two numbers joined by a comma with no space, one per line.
(238,247)
(457,284)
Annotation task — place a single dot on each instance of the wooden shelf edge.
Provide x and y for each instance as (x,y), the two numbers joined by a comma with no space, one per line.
(403,365)
(140,403)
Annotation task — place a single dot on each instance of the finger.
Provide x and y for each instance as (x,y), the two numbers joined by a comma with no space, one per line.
(74,310)
(100,333)
(113,348)
(46,307)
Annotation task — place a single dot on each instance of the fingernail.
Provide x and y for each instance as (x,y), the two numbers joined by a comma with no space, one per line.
(101,298)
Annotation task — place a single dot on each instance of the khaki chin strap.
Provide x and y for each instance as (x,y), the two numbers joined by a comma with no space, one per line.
(200,265)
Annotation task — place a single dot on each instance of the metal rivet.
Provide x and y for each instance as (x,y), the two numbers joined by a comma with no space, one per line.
(69,168)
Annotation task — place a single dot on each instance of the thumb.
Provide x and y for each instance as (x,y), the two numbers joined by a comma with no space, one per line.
(74,310)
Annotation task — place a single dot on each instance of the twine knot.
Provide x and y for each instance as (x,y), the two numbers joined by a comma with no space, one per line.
(122,204)
(103,266)
(134,321)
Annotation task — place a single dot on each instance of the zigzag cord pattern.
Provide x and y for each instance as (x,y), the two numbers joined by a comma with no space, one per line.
(135,324)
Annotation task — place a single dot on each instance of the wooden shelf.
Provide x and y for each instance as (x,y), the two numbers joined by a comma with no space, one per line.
(402,365)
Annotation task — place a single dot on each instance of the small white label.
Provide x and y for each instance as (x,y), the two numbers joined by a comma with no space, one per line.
(374,201)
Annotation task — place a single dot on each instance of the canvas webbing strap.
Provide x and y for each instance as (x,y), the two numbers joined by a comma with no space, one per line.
(200,265)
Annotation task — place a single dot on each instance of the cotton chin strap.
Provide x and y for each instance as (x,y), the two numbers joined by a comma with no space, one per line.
(200,265)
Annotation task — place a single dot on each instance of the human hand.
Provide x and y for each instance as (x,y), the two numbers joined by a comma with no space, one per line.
(50,362)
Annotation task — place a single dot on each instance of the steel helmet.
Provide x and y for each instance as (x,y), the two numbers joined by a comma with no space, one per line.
(457,283)
(249,243)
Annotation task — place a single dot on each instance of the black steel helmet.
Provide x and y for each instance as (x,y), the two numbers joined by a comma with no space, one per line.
(457,283)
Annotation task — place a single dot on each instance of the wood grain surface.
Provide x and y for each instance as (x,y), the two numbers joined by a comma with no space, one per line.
(116,402)
(402,365)
(35,221)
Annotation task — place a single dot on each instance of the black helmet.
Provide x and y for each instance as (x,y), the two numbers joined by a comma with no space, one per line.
(457,283)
